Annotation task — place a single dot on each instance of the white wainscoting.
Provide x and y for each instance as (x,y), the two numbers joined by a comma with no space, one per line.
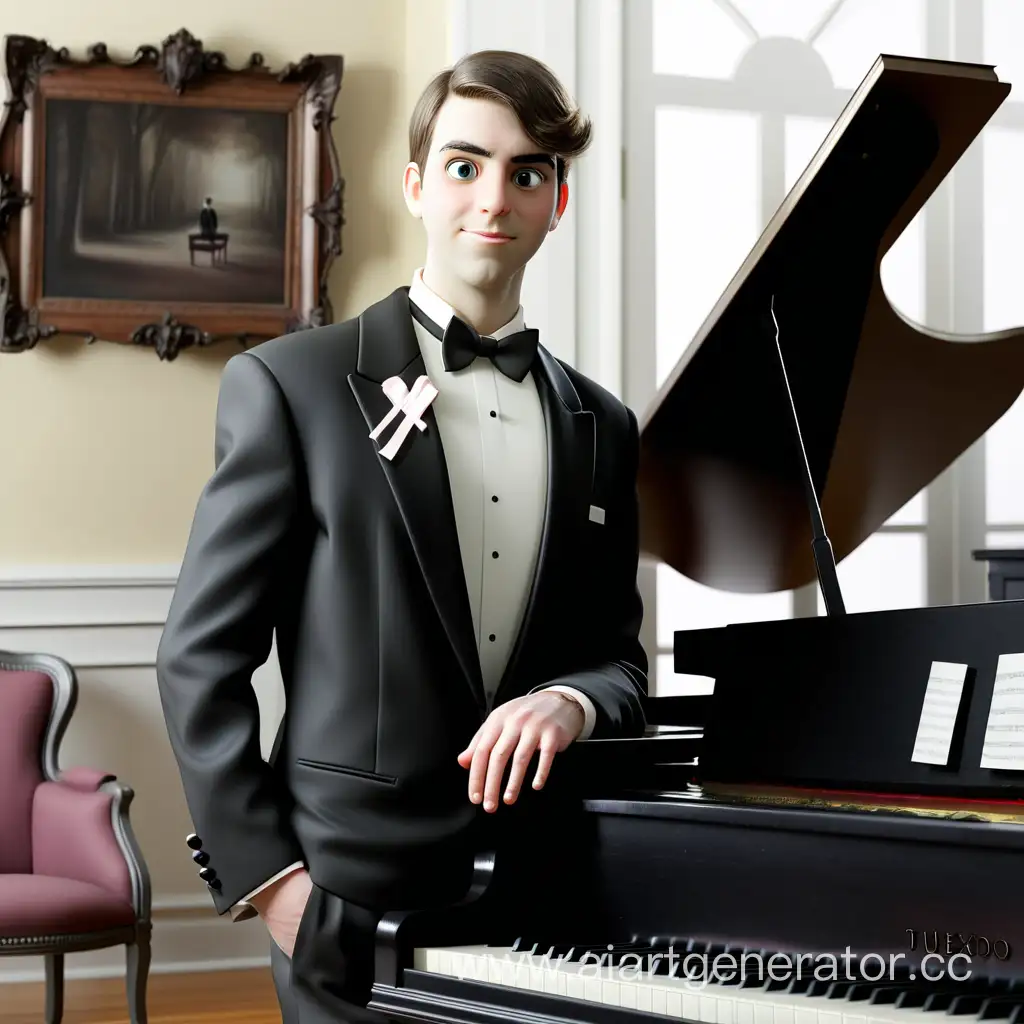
(106,621)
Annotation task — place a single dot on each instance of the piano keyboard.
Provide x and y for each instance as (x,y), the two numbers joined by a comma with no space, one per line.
(793,997)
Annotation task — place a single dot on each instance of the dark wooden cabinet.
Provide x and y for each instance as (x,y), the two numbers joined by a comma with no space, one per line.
(1005,572)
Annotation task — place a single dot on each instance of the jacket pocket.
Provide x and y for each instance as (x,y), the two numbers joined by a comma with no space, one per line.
(341,769)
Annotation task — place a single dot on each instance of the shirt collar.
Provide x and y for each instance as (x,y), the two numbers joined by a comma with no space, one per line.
(441,312)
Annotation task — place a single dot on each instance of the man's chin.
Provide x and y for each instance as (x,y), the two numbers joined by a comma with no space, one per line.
(487,272)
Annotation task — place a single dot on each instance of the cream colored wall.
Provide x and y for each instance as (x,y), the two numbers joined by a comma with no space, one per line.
(104,449)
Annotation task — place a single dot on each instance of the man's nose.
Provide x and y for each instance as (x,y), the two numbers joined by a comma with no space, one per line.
(494,195)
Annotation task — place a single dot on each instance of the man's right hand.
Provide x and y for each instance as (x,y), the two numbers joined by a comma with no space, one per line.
(281,905)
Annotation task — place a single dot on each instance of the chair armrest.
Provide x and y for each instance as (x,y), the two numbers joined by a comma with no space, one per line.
(81,829)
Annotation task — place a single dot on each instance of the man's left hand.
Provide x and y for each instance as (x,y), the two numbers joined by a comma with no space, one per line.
(547,721)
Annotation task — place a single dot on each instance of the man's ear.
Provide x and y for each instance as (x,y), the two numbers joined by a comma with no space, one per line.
(412,185)
(563,200)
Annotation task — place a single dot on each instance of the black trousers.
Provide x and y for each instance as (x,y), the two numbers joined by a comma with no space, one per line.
(328,978)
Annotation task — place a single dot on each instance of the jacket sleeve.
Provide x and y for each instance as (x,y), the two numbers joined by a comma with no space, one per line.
(615,679)
(219,630)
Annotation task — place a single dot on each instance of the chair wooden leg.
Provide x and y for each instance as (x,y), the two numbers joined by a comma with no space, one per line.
(138,956)
(54,988)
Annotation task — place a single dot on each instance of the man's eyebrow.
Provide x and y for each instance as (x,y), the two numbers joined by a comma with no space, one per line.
(535,158)
(526,158)
(466,147)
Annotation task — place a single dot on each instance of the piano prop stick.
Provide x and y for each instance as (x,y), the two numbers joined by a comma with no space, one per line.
(1004,734)
(939,712)
(821,546)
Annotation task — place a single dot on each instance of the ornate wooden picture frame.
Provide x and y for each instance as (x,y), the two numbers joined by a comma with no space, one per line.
(167,200)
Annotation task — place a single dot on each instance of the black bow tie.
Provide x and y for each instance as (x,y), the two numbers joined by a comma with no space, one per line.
(461,344)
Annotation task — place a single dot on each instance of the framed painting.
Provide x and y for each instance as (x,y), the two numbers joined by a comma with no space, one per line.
(166,200)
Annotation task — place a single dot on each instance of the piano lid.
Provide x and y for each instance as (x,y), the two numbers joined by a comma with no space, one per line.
(884,404)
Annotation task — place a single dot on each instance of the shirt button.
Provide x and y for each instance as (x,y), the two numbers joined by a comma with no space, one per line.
(491,637)
(494,554)
(494,497)
(493,413)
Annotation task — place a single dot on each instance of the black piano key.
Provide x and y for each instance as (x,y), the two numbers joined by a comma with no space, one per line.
(756,972)
(820,987)
(969,1003)
(860,991)
(912,998)
(998,1007)
(798,985)
(563,949)
(601,952)
(783,973)
(725,972)
(838,989)
(939,1000)
(662,965)
(1005,1010)
(886,995)
(636,957)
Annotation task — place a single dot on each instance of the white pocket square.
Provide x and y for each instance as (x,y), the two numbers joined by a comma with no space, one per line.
(596,515)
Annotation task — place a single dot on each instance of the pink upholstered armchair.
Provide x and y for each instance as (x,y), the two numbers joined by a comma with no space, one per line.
(72,876)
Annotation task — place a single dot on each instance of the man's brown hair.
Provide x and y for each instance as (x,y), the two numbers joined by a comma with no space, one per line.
(527,87)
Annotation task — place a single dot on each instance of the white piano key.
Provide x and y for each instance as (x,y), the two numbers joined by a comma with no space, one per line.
(628,995)
(744,1011)
(659,1000)
(611,992)
(643,995)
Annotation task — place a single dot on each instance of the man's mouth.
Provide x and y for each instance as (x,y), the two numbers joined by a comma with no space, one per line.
(490,236)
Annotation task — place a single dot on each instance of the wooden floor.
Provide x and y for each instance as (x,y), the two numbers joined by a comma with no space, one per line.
(215,997)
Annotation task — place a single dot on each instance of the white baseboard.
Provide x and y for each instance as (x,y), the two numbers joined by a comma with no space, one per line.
(184,941)
(106,621)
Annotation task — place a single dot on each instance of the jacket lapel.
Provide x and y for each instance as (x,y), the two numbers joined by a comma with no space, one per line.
(418,474)
(571,440)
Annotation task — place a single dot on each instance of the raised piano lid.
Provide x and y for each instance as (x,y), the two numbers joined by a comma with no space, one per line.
(885,405)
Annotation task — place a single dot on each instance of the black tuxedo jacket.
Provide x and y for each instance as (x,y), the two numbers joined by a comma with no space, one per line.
(354,561)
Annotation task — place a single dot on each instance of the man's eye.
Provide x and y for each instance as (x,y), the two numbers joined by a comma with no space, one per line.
(528,178)
(460,170)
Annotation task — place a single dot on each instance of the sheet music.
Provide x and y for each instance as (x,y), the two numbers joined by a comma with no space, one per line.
(1004,735)
(938,713)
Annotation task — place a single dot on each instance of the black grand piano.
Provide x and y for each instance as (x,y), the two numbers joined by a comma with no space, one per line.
(833,836)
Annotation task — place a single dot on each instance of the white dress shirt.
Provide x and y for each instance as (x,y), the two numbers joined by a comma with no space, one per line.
(495,447)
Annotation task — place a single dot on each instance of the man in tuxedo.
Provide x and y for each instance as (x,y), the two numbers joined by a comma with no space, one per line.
(439,519)
(208,219)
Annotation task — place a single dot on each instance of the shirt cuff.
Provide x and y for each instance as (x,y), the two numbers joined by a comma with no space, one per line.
(243,909)
(586,703)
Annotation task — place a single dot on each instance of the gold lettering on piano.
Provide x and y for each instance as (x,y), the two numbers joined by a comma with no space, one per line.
(951,943)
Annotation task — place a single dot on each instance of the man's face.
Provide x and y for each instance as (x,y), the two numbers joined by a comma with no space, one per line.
(486,196)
